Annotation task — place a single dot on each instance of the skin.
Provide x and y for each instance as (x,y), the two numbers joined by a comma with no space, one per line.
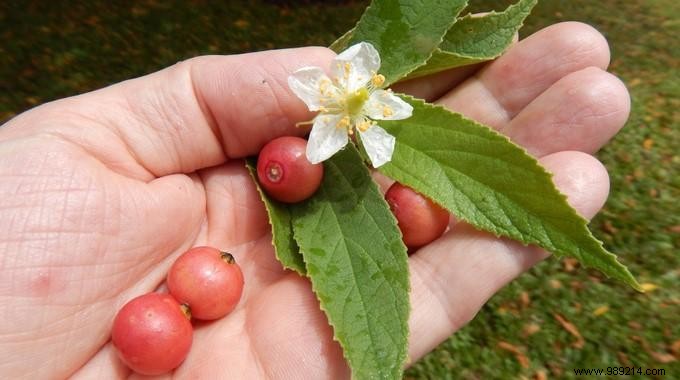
(99,193)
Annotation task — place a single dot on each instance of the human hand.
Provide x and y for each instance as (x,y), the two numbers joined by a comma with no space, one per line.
(101,192)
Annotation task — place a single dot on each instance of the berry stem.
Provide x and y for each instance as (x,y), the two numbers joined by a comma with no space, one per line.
(186,310)
(227,257)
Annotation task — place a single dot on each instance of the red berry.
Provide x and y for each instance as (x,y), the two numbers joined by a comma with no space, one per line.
(208,281)
(284,171)
(152,334)
(420,220)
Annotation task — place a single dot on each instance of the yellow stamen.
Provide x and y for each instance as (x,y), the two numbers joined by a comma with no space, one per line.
(348,66)
(378,80)
(387,111)
(343,123)
(323,86)
(364,125)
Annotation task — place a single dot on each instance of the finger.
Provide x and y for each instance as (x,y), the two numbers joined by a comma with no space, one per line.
(571,115)
(238,222)
(58,190)
(192,115)
(453,277)
(503,88)
(281,333)
(236,215)
(433,86)
(103,365)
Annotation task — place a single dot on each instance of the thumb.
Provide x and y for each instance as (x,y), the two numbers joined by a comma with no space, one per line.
(195,114)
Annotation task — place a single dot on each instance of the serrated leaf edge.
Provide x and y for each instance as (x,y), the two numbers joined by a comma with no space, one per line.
(393,221)
(530,5)
(549,176)
(473,59)
(265,198)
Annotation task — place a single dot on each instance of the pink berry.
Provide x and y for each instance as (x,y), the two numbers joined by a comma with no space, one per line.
(152,334)
(284,171)
(420,220)
(208,281)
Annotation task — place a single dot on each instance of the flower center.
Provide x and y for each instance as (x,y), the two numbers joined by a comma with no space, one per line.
(355,101)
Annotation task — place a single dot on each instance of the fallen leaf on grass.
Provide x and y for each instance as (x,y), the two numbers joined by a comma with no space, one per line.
(648,144)
(609,227)
(661,357)
(570,264)
(576,285)
(555,369)
(540,375)
(600,310)
(555,284)
(594,279)
(508,307)
(524,299)
(519,355)
(675,348)
(634,82)
(638,173)
(241,24)
(571,329)
(530,329)
(623,359)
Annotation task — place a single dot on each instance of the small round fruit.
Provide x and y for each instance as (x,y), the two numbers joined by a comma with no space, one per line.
(284,171)
(420,220)
(208,281)
(152,334)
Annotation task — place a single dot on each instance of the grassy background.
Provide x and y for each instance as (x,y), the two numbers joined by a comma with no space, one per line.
(556,317)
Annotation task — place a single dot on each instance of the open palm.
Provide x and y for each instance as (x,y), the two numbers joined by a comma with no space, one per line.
(99,193)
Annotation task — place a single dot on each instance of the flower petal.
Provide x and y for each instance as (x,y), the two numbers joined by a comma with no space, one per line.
(379,145)
(384,105)
(325,139)
(355,66)
(306,84)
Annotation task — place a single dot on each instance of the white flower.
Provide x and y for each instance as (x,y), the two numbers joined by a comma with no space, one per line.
(351,99)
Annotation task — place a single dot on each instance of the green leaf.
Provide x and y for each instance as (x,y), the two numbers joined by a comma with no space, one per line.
(474,39)
(287,251)
(341,43)
(405,32)
(486,180)
(358,266)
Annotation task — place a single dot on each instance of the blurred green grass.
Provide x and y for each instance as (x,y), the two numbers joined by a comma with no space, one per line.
(55,49)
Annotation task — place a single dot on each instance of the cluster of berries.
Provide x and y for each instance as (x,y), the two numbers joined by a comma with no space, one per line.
(153,333)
